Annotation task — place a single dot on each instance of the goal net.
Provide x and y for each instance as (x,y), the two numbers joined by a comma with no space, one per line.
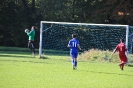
(130,39)
(55,35)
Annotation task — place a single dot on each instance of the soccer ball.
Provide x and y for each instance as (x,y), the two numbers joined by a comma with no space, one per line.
(26,30)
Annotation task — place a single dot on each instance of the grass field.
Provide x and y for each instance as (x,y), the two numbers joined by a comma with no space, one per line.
(18,69)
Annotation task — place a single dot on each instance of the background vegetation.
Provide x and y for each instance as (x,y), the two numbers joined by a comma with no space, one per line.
(16,15)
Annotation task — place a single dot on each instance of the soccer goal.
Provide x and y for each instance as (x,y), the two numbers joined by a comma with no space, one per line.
(55,35)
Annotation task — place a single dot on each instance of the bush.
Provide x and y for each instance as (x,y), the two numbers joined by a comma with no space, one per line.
(98,55)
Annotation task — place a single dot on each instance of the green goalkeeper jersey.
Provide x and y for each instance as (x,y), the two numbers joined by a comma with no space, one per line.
(31,35)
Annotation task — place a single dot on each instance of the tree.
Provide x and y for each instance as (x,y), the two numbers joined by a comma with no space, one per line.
(116,11)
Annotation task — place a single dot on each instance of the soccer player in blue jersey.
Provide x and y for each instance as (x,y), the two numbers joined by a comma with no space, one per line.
(74,46)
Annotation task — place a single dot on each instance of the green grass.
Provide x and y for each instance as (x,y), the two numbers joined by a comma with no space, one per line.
(18,69)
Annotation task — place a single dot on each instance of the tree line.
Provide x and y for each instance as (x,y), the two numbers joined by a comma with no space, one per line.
(17,15)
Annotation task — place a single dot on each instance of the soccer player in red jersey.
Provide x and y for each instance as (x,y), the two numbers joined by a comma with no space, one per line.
(121,48)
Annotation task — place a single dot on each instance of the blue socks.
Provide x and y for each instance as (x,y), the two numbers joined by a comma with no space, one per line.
(75,63)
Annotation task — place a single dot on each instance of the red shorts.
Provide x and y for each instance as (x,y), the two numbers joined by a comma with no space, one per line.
(123,58)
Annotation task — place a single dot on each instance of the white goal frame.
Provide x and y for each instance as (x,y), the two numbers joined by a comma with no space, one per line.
(42,30)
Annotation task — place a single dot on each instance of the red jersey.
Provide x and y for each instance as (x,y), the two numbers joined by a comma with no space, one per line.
(121,48)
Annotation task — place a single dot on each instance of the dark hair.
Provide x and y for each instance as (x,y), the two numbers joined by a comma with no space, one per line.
(33,26)
(122,40)
(73,35)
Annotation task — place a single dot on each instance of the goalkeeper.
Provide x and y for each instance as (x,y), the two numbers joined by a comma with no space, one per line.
(31,35)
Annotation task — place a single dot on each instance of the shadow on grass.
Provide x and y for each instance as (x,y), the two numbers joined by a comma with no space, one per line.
(108,73)
(17,56)
(24,61)
(44,57)
(130,65)
(14,52)
(28,53)
(56,54)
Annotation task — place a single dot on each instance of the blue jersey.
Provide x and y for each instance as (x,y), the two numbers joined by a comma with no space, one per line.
(73,43)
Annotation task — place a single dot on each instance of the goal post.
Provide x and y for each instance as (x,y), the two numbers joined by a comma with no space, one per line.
(93,31)
(40,43)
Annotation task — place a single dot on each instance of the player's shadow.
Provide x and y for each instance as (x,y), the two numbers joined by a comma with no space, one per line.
(130,65)
(109,73)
